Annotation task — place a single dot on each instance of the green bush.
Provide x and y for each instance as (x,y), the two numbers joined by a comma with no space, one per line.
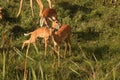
(95,42)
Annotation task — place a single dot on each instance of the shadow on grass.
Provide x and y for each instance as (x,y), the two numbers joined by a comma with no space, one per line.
(17,31)
(8,18)
(91,35)
(88,35)
(100,51)
(74,8)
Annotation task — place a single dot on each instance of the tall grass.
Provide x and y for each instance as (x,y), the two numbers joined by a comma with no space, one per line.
(95,43)
(4,66)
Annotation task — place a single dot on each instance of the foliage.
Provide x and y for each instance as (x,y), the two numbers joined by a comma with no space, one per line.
(95,42)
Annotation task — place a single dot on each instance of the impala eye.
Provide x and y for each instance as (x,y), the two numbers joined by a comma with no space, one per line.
(56,21)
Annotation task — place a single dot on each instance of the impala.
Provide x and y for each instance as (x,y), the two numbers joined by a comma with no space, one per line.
(41,32)
(46,15)
(60,36)
(31,5)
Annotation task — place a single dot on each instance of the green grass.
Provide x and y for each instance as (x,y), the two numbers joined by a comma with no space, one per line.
(95,42)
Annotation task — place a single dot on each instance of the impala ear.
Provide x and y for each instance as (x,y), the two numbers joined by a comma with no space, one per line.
(50,19)
(53,18)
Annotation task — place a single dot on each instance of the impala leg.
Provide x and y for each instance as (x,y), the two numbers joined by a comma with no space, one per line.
(23,45)
(42,20)
(20,8)
(25,42)
(69,45)
(65,49)
(31,40)
(45,46)
(49,2)
(58,56)
(55,49)
(31,5)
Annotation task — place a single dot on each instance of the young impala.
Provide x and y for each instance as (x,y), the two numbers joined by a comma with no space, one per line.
(60,36)
(46,15)
(41,32)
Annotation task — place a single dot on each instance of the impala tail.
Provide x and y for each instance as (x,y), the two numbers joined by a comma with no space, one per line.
(26,34)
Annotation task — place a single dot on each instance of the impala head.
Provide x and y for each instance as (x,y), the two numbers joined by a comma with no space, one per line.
(56,24)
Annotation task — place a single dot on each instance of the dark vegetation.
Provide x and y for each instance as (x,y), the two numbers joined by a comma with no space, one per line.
(95,41)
